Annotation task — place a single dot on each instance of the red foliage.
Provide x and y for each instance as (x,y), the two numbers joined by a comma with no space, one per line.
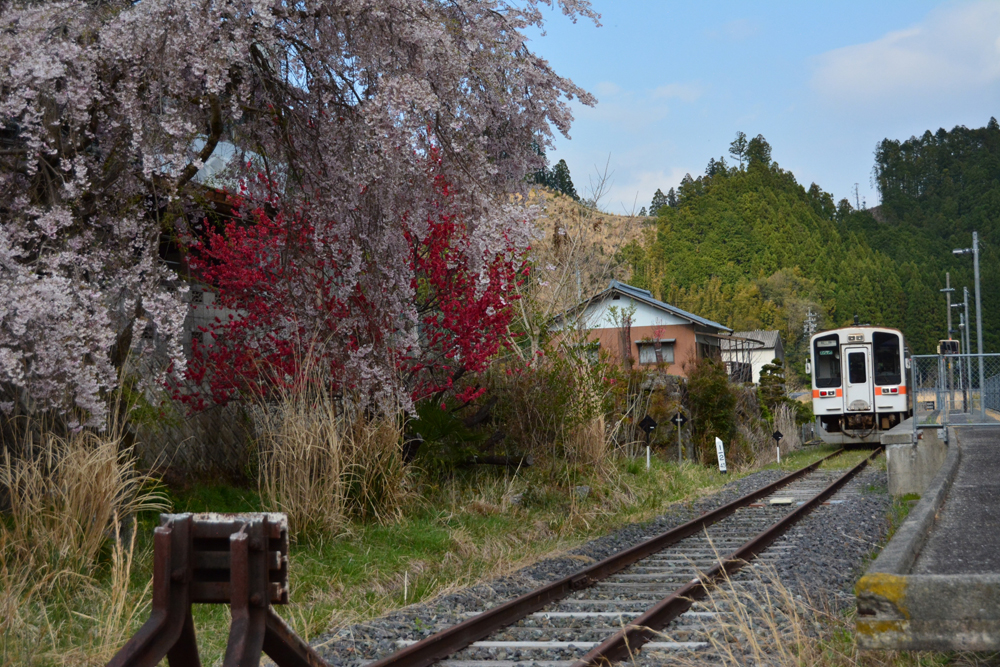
(287,287)
(464,314)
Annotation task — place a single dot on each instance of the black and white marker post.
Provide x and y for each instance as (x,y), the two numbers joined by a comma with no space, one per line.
(679,420)
(720,451)
(647,424)
(778,435)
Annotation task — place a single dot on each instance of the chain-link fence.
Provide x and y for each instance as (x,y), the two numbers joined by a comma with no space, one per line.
(955,389)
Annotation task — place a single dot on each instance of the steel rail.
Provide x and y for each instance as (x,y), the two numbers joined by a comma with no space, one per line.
(451,640)
(625,642)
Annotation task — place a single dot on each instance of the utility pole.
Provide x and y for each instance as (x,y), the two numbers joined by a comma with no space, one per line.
(974,251)
(948,289)
(809,325)
(968,345)
(963,358)
(979,323)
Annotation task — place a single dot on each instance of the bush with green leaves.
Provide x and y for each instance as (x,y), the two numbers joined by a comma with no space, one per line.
(713,407)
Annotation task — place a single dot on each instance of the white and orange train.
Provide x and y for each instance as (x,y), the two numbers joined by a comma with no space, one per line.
(858,383)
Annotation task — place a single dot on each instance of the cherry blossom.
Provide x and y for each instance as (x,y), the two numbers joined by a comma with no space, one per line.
(111,111)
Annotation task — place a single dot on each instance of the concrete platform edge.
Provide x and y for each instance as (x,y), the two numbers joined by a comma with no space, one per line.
(899,610)
(898,556)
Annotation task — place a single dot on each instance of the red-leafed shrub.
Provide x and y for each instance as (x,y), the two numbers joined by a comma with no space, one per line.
(301,302)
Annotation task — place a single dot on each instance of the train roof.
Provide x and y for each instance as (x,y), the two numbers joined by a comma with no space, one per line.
(858,327)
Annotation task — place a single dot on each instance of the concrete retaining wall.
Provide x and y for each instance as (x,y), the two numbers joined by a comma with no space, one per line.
(901,610)
(911,464)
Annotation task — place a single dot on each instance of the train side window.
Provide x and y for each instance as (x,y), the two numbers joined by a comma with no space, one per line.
(826,352)
(856,372)
(885,347)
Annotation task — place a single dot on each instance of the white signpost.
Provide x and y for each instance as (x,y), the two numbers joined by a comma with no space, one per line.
(721,451)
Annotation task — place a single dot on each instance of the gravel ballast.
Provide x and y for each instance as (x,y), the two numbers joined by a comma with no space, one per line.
(828,549)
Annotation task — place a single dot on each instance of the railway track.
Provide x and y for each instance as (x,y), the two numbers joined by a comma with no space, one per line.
(607,611)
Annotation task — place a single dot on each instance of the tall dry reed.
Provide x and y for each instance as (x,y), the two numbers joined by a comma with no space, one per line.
(784,421)
(64,495)
(65,598)
(302,457)
(322,464)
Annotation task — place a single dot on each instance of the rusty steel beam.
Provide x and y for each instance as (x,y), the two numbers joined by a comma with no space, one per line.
(624,643)
(442,644)
(169,630)
(248,601)
(241,560)
(286,648)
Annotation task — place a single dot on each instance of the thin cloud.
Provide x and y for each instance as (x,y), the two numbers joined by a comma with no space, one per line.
(955,50)
(685,92)
(607,88)
(639,189)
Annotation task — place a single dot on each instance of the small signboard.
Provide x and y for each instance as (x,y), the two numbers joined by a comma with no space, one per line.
(678,420)
(647,424)
(777,435)
(720,450)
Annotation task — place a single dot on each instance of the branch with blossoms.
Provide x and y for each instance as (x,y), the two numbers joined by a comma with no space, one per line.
(293,310)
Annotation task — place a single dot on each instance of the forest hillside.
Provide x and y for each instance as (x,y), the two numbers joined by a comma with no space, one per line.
(936,190)
(749,246)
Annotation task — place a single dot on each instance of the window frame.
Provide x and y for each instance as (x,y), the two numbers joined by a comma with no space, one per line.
(897,356)
(827,383)
(651,345)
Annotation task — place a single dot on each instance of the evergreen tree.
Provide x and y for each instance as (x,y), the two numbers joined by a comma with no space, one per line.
(758,152)
(715,167)
(561,181)
(543,176)
(771,387)
(738,148)
(659,201)
(642,212)
(672,198)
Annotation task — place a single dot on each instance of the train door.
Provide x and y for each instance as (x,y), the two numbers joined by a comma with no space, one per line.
(858,389)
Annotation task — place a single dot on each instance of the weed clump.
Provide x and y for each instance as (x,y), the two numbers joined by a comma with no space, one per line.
(68,544)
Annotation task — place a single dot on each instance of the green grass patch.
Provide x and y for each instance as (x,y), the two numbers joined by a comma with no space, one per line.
(472,527)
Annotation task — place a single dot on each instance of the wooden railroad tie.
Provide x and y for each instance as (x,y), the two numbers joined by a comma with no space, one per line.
(235,559)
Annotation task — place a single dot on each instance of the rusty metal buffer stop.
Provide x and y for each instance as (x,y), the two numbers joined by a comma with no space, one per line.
(235,559)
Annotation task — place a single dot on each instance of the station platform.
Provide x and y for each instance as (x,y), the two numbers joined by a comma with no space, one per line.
(936,585)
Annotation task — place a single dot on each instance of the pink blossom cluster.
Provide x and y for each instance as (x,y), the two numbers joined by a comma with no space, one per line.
(109,110)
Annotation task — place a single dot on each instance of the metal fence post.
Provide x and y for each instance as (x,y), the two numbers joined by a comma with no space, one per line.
(914,395)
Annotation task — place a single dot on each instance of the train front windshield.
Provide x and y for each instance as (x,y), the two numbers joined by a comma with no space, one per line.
(827,356)
(887,358)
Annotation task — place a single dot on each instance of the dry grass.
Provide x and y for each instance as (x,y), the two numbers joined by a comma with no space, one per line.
(583,244)
(302,459)
(760,621)
(65,493)
(65,596)
(321,466)
(784,421)
(587,444)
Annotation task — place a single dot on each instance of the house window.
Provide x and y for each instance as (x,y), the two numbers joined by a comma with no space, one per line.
(647,352)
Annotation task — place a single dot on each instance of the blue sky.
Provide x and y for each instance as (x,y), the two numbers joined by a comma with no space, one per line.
(823,82)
